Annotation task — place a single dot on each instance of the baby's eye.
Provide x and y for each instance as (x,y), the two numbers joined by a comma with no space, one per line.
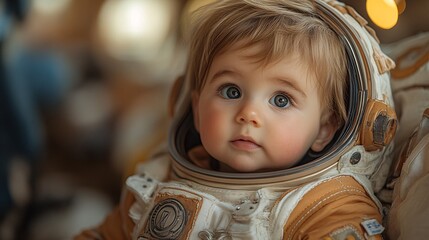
(280,100)
(230,92)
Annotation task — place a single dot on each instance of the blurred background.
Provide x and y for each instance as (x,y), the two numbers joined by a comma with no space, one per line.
(83,98)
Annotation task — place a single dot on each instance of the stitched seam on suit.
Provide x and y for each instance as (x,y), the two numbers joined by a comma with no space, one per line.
(318,204)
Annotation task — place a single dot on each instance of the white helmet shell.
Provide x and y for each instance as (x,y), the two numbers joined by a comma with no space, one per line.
(359,148)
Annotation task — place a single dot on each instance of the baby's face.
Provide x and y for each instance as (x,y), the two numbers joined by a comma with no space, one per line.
(252,117)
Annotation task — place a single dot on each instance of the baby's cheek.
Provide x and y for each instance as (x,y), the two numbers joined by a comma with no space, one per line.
(212,127)
(289,146)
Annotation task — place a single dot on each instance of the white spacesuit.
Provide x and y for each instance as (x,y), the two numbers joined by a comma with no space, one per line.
(172,198)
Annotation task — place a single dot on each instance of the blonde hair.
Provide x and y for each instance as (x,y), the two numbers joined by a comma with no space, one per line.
(280,27)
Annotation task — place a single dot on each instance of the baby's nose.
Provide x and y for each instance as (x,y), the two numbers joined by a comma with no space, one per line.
(249,115)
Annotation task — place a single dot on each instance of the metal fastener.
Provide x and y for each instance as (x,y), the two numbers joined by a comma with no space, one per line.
(355,158)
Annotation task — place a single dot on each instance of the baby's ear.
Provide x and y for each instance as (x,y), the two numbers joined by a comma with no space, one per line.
(327,131)
(195,99)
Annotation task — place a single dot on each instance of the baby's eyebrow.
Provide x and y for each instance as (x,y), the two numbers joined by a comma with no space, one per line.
(221,73)
(291,84)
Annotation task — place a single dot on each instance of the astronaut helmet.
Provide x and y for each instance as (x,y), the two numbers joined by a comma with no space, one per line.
(359,147)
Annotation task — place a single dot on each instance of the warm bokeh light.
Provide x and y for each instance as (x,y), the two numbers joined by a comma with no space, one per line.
(384,13)
(134,28)
(401,5)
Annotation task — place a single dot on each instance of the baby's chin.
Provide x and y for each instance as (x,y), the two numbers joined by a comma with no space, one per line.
(248,169)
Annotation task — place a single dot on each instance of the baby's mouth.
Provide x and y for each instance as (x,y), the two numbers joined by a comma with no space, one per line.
(245,144)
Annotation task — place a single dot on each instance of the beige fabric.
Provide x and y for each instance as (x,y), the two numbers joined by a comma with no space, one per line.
(409,214)
(410,83)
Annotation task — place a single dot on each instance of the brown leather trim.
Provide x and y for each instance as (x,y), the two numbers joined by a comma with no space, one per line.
(127,200)
(191,205)
(373,135)
(330,206)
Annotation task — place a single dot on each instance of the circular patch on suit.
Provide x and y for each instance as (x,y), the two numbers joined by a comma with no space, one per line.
(167,219)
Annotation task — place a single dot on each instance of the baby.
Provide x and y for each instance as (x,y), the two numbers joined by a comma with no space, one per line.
(260,147)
